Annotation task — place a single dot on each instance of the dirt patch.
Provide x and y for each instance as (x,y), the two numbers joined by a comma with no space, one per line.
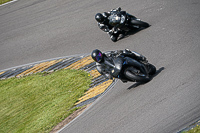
(69,118)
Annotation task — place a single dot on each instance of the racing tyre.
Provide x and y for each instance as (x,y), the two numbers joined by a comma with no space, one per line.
(114,37)
(152,69)
(139,23)
(134,74)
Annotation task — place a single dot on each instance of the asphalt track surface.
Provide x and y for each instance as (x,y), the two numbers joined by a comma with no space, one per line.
(36,30)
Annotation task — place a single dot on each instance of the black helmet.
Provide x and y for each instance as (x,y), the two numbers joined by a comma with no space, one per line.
(97,55)
(99,17)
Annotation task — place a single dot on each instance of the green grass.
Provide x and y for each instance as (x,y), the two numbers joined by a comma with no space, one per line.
(4,1)
(39,102)
(194,130)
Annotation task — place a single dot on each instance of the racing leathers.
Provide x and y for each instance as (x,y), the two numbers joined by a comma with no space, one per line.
(106,65)
(106,27)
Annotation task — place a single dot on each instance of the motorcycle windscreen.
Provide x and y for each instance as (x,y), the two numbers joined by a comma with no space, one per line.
(114,18)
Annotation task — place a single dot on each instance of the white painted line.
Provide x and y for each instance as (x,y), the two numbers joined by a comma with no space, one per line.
(8,2)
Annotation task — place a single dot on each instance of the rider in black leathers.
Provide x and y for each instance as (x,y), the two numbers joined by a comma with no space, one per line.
(103,24)
(104,62)
(112,28)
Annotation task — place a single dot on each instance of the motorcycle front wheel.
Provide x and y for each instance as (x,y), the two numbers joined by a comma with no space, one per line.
(114,37)
(139,23)
(152,69)
(135,75)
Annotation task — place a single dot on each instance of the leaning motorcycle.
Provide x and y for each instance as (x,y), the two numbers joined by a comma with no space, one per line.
(125,22)
(131,72)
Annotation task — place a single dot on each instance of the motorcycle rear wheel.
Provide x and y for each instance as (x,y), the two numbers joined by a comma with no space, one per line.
(136,75)
(139,23)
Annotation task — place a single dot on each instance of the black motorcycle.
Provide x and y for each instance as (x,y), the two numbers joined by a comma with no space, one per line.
(125,22)
(131,72)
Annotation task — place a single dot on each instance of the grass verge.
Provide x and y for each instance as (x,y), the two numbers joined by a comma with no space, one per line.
(4,1)
(38,102)
(194,130)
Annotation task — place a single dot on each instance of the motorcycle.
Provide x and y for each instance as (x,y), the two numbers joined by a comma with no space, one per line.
(125,22)
(124,71)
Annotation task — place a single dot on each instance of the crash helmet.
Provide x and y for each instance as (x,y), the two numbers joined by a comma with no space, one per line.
(99,17)
(97,55)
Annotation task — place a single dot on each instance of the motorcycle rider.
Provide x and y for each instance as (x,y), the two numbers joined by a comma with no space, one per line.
(104,62)
(110,24)
(103,24)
